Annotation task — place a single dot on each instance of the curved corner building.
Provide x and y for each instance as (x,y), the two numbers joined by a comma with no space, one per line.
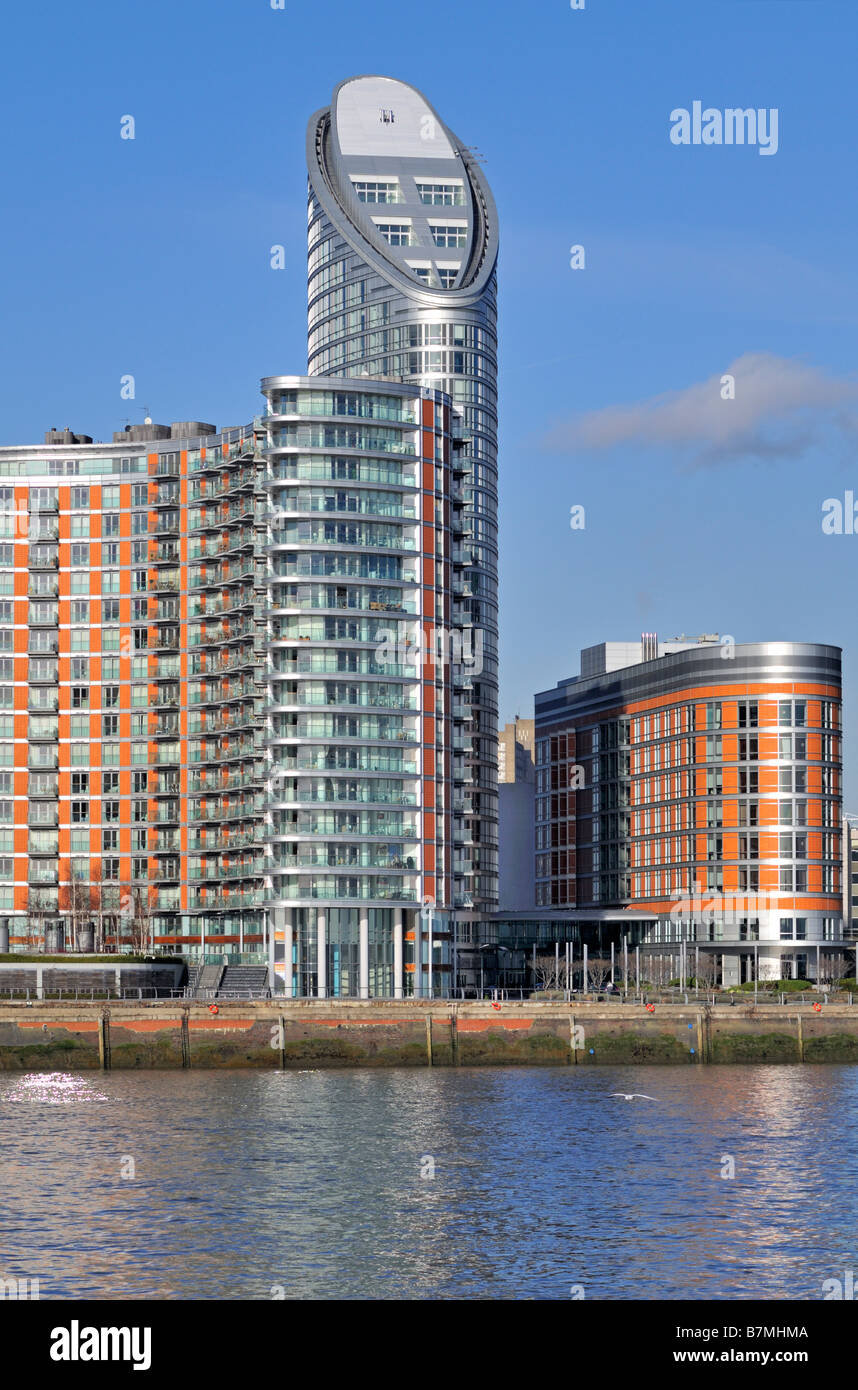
(710,800)
(402,255)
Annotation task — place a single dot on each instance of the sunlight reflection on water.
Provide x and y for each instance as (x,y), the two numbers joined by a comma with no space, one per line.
(311,1181)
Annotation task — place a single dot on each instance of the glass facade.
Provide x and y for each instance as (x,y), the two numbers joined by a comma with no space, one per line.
(377,309)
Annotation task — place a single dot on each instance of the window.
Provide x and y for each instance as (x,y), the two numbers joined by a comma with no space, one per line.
(377,190)
(447,275)
(110,553)
(39,612)
(110,726)
(442,194)
(395,233)
(110,610)
(110,524)
(80,526)
(43,784)
(451,234)
(139,552)
(80,697)
(80,783)
(43,499)
(80,556)
(110,497)
(109,783)
(79,498)
(110,811)
(140,782)
(80,668)
(109,839)
(748,711)
(79,812)
(80,610)
(140,495)
(423,272)
(110,697)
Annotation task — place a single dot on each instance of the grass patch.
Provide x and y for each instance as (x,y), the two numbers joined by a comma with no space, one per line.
(754,1047)
(633,1047)
(835,1047)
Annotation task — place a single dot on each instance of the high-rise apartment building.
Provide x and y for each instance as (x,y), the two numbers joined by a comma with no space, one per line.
(402,245)
(363,712)
(699,783)
(250,677)
(132,676)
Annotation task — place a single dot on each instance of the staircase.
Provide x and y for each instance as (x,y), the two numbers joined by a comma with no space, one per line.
(243,982)
(208,981)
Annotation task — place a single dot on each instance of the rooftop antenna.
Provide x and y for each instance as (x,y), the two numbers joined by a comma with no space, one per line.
(474,151)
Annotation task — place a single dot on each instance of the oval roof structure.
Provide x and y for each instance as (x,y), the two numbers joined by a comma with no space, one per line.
(401,188)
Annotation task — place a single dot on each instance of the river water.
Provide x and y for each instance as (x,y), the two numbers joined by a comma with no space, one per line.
(516,1183)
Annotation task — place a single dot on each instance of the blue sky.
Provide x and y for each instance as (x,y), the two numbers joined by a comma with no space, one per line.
(152,257)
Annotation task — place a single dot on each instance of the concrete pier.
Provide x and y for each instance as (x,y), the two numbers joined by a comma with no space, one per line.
(45,1036)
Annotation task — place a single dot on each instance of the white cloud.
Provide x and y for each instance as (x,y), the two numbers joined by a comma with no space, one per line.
(781,407)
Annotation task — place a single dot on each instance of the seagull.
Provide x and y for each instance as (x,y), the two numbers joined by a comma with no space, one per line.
(635,1095)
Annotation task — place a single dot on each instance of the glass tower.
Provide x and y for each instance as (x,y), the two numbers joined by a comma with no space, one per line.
(402,255)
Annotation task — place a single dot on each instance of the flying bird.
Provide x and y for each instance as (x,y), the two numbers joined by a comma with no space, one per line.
(635,1095)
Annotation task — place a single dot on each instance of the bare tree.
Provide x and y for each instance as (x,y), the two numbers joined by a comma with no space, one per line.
(598,974)
(706,971)
(832,968)
(546,973)
(34,934)
(135,916)
(74,903)
(658,970)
